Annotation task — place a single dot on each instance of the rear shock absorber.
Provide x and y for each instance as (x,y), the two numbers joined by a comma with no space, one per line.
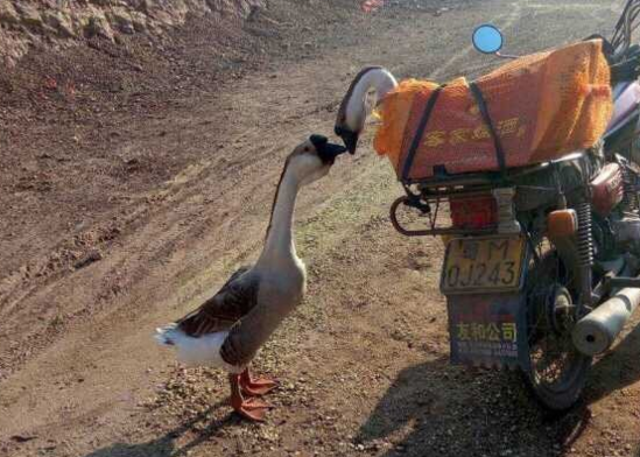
(585,251)
(631,190)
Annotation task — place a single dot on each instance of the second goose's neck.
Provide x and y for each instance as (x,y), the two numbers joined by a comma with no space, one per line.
(279,244)
(379,79)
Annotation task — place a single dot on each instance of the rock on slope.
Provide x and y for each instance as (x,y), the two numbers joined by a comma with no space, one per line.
(24,23)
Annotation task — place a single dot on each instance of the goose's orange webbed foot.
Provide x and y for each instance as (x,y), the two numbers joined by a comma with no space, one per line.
(256,387)
(252,408)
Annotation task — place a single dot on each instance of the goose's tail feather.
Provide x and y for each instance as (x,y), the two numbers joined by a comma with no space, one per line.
(201,351)
(166,336)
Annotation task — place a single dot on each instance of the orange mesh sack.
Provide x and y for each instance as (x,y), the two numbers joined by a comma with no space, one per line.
(542,107)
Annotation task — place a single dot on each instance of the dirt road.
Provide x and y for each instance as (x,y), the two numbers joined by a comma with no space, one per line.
(95,258)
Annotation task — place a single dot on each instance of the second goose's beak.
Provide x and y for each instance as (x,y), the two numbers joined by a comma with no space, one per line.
(327,151)
(350,139)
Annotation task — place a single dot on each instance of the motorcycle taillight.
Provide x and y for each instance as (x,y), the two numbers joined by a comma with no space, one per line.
(473,212)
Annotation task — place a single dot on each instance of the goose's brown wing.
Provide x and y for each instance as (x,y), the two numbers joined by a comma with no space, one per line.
(234,300)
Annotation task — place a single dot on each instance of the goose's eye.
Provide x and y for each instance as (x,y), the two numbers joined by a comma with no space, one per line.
(306,149)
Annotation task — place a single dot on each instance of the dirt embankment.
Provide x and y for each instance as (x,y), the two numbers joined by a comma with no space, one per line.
(25,24)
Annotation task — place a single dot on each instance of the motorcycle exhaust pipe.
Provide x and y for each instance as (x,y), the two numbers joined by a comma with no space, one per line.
(596,332)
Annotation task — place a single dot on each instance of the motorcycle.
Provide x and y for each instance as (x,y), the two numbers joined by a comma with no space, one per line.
(542,275)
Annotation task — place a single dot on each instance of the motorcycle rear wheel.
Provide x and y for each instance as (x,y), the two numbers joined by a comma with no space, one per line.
(557,371)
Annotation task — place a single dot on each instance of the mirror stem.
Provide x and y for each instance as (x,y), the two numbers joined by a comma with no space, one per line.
(506,56)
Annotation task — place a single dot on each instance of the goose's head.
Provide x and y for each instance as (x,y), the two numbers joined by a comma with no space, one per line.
(313,159)
(352,113)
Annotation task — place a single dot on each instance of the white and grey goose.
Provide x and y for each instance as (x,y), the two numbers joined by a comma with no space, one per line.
(353,113)
(227,330)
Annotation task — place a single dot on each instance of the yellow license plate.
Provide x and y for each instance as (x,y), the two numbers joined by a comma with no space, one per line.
(488,264)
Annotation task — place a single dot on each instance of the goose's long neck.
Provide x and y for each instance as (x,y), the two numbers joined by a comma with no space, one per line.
(377,78)
(279,244)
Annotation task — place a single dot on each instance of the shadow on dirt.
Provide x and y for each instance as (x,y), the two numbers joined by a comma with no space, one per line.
(616,370)
(435,409)
(165,446)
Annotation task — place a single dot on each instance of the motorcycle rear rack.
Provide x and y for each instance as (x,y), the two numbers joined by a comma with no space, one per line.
(427,195)
(425,207)
(442,179)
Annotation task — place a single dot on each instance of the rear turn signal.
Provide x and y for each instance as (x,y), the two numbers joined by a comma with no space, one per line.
(562,223)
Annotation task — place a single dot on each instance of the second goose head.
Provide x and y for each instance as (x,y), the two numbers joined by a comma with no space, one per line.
(353,109)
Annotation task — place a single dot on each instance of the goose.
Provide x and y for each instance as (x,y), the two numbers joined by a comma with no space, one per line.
(227,330)
(352,113)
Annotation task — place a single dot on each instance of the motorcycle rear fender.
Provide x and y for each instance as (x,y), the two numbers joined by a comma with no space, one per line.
(489,330)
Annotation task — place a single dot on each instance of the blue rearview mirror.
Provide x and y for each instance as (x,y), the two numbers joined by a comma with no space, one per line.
(488,39)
